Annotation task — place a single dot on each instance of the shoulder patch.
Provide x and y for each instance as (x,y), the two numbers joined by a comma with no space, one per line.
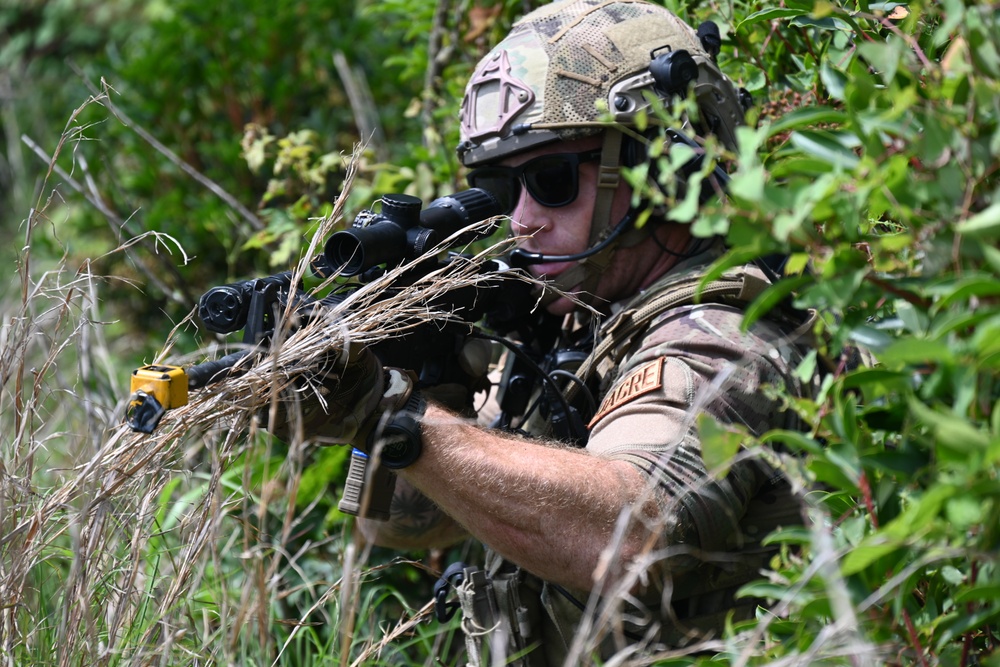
(644,379)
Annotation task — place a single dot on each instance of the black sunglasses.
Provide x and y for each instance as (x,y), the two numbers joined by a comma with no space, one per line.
(552,180)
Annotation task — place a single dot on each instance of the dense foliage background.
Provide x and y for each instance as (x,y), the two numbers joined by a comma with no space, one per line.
(153,149)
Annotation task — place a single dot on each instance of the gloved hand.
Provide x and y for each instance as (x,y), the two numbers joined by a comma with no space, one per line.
(347,404)
(474,360)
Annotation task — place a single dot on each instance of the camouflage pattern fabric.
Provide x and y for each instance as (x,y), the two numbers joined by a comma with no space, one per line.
(692,360)
(555,75)
(707,366)
(567,71)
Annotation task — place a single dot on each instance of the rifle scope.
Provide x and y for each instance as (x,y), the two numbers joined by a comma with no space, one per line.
(402,231)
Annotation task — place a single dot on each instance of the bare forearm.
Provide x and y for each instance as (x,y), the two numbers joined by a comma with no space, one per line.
(552,510)
(415,522)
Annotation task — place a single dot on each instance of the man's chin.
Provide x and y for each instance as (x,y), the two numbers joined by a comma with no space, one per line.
(561,306)
(550,271)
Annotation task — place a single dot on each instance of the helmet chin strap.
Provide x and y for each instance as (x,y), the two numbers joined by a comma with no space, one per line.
(605,238)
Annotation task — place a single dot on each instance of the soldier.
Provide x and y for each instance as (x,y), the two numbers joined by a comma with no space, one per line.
(623,541)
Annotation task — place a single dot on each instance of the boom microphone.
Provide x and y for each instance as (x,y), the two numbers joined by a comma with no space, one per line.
(520,258)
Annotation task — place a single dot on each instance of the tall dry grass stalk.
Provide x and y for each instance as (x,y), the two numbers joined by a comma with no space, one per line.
(110,540)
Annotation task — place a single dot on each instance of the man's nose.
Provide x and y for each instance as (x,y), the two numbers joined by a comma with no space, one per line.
(528,216)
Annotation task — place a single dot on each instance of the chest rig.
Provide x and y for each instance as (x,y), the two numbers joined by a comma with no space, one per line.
(506,609)
(587,376)
(619,335)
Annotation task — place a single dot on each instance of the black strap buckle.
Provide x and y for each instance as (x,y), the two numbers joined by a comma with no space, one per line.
(453,577)
(144,412)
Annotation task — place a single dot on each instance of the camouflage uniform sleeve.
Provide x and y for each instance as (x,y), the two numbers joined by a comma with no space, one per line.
(695,359)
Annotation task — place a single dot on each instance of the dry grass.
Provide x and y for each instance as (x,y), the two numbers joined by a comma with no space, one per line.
(123,548)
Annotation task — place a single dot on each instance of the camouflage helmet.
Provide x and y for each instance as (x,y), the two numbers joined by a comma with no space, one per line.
(550,77)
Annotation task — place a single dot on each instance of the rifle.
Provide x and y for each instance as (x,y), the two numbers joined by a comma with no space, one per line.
(401,232)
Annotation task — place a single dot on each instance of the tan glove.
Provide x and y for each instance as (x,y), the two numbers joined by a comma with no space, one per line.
(474,359)
(347,405)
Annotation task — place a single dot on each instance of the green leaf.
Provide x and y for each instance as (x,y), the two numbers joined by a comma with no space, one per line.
(906,462)
(869,337)
(719,444)
(834,80)
(757,80)
(920,515)
(749,141)
(770,298)
(982,48)
(917,351)
(885,55)
(796,264)
(879,381)
(686,210)
(974,286)
(957,322)
(866,553)
(806,370)
(748,185)
(952,575)
(792,535)
(954,432)
(826,23)
(961,623)
(992,256)
(915,320)
(964,511)
(772,14)
(766,590)
(935,139)
(834,474)
(807,202)
(982,593)
(798,167)
(832,149)
(799,441)
(709,224)
(983,225)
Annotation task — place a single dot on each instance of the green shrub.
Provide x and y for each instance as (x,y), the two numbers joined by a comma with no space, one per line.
(872,166)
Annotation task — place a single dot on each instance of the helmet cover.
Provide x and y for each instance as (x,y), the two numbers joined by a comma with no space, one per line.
(545,80)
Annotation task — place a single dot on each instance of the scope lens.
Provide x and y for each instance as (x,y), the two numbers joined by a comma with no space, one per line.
(345,253)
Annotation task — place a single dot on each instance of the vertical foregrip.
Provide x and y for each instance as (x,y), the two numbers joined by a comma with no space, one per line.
(368,489)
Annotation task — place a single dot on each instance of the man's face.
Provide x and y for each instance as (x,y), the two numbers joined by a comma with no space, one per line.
(565,230)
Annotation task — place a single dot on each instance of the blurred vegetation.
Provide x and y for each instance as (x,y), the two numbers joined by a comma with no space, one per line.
(264,100)
(872,164)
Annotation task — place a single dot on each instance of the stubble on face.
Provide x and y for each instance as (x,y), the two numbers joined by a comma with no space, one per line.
(566,231)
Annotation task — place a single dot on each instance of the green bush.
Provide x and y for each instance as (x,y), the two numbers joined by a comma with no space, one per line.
(882,192)
(872,165)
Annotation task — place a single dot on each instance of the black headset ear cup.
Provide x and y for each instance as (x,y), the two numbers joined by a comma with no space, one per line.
(633,152)
(673,72)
